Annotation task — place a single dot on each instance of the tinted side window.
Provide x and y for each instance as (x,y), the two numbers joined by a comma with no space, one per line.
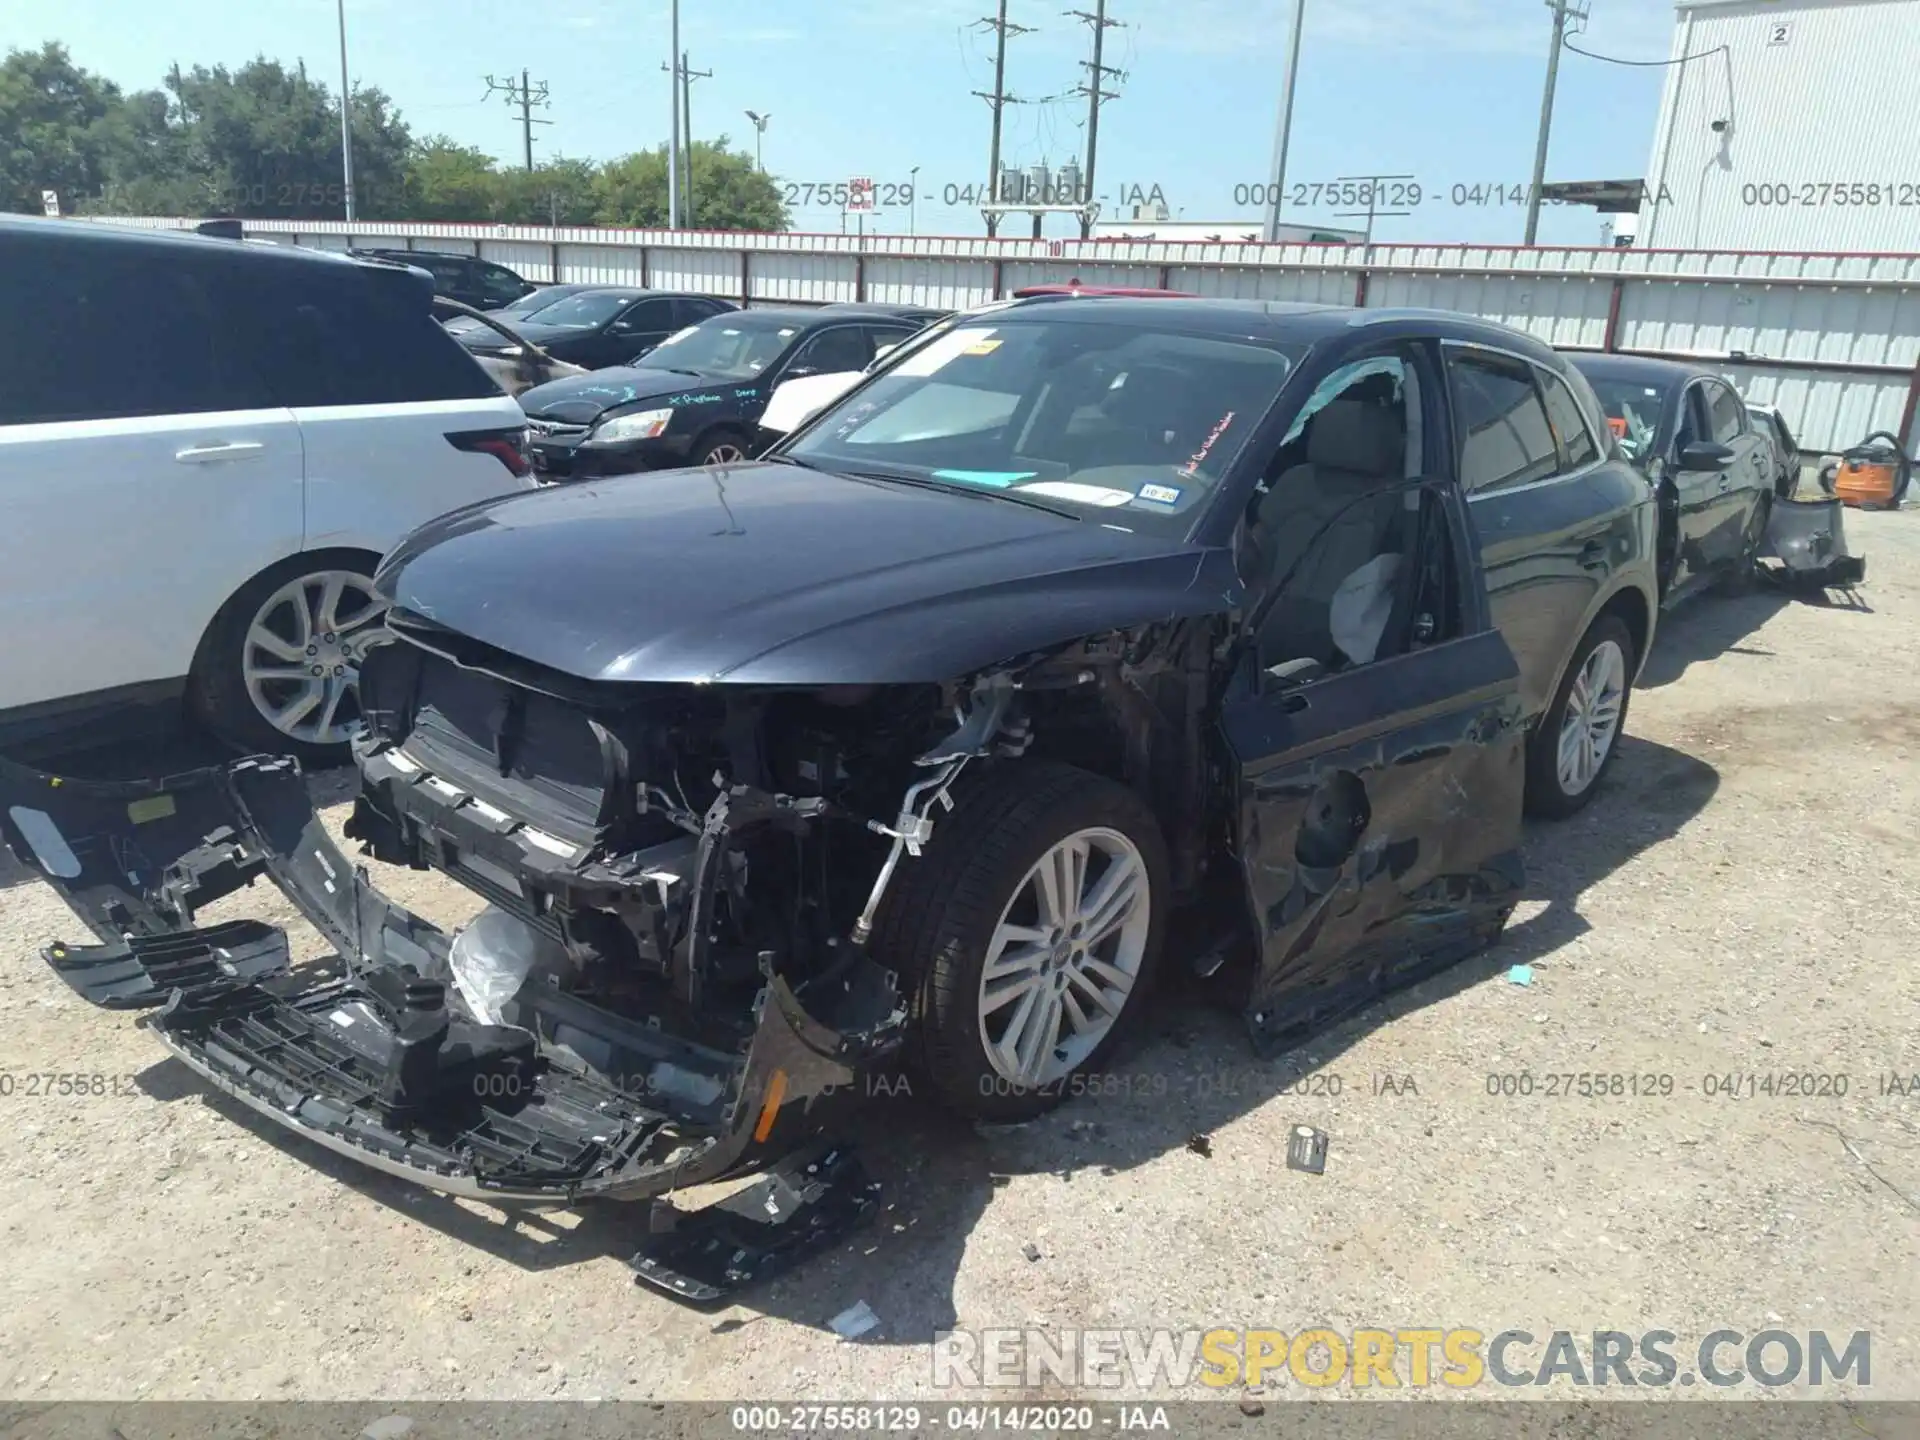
(117,331)
(831,351)
(646,318)
(885,337)
(1693,424)
(1569,425)
(499,286)
(1504,435)
(353,337)
(1728,413)
(692,311)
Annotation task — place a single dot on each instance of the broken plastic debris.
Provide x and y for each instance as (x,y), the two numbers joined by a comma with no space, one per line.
(855,1321)
(1520,975)
(1201,1145)
(1030,1250)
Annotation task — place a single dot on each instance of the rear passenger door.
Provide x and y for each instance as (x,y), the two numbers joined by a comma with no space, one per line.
(1698,494)
(146,470)
(1747,477)
(1543,535)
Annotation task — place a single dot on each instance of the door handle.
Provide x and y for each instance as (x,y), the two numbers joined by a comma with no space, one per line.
(204,454)
(1293,704)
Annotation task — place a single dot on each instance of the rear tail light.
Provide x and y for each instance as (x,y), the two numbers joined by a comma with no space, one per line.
(509,447)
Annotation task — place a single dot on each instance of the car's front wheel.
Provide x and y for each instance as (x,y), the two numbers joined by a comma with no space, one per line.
(724,447)
(279,668)
(1027,936)
(1578,736)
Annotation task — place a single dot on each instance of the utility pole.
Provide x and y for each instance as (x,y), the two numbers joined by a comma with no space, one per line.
(346,102)
(526,94)
(1096,76)
(673,150)
(998,100)
(684,110)
(1562,9)
(1279,186)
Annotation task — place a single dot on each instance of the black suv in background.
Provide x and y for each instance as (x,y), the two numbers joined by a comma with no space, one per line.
(697,397)
(479,283)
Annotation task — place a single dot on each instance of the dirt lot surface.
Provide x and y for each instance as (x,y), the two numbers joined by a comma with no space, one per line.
(1739,903)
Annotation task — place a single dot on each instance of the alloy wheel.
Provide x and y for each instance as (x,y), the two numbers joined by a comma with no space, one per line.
(302,654)
(1064,958)
(1591,722)
(725,452)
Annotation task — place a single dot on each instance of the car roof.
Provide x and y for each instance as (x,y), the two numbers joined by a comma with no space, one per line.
(1074,289)
(95,232)
(879,308)
(1298,321)
(1641,368)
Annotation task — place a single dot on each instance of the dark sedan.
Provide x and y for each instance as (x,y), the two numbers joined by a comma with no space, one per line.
(697,397)
(527,304)
(479,283)
(605,325)
(1712,468)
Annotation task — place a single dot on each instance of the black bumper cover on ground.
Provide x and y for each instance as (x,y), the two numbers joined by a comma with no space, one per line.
(383,1064)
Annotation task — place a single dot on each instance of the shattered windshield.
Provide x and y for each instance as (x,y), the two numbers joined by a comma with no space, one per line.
(1127,425)
(1633,413)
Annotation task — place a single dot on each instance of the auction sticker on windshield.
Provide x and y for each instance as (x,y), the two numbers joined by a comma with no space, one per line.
(1160,494)
(947,348)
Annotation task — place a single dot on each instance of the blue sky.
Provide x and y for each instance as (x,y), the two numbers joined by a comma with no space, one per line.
(1446,91)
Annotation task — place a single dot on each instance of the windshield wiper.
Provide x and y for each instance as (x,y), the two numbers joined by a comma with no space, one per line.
(676,370)
(972,492)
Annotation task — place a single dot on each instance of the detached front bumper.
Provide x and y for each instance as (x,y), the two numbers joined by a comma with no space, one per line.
(384,1064)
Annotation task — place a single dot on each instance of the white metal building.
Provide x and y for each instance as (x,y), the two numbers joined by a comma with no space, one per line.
(1790,125)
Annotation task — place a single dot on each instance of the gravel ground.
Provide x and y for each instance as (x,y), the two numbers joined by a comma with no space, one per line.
(1738,902)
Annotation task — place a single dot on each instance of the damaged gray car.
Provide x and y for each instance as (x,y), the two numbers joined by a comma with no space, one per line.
(1084,634)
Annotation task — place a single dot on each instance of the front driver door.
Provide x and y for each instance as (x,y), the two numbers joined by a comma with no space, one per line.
(1378,806)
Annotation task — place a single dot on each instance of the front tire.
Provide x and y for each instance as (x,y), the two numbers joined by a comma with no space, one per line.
(723,447)
(1579,734)
(278,669)
(1027,936)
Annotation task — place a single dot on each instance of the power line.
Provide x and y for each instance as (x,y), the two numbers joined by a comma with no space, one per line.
(998,100)
(1096,96)
(526,95)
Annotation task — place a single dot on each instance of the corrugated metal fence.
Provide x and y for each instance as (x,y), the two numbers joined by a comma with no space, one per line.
(1833,339)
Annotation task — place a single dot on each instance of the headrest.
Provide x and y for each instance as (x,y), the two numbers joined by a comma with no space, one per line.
(1354,435)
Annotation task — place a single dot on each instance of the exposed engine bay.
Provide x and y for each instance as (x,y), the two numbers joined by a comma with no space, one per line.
(676,846)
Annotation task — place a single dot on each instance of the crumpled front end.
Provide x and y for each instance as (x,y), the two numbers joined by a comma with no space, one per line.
(567,1098)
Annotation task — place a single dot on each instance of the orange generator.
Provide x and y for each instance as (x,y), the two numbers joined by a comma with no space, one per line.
(1873,475)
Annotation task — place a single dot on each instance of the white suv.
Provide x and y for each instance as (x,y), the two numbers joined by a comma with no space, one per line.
(205,448)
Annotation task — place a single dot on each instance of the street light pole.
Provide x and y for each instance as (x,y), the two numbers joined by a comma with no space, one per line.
(913,194)
(673,100)
(1285,137)
(759,129)
(346,128)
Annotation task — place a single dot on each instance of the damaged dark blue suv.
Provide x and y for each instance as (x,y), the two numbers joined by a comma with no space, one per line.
(1078,624)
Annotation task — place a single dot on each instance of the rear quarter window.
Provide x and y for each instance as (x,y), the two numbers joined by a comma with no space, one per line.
(354,337)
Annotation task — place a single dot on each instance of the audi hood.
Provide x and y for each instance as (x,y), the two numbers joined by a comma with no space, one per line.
(777,574)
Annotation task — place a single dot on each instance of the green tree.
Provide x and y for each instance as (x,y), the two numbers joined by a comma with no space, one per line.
(557,192)
(729,193)
(264,141)
(53,117)
(446,181)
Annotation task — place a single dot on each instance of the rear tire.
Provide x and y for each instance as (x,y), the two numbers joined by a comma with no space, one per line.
(978,895)
(1563,768)
(253,682)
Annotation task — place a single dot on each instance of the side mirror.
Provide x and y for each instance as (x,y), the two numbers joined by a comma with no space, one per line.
(1705,455)
(800,372)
